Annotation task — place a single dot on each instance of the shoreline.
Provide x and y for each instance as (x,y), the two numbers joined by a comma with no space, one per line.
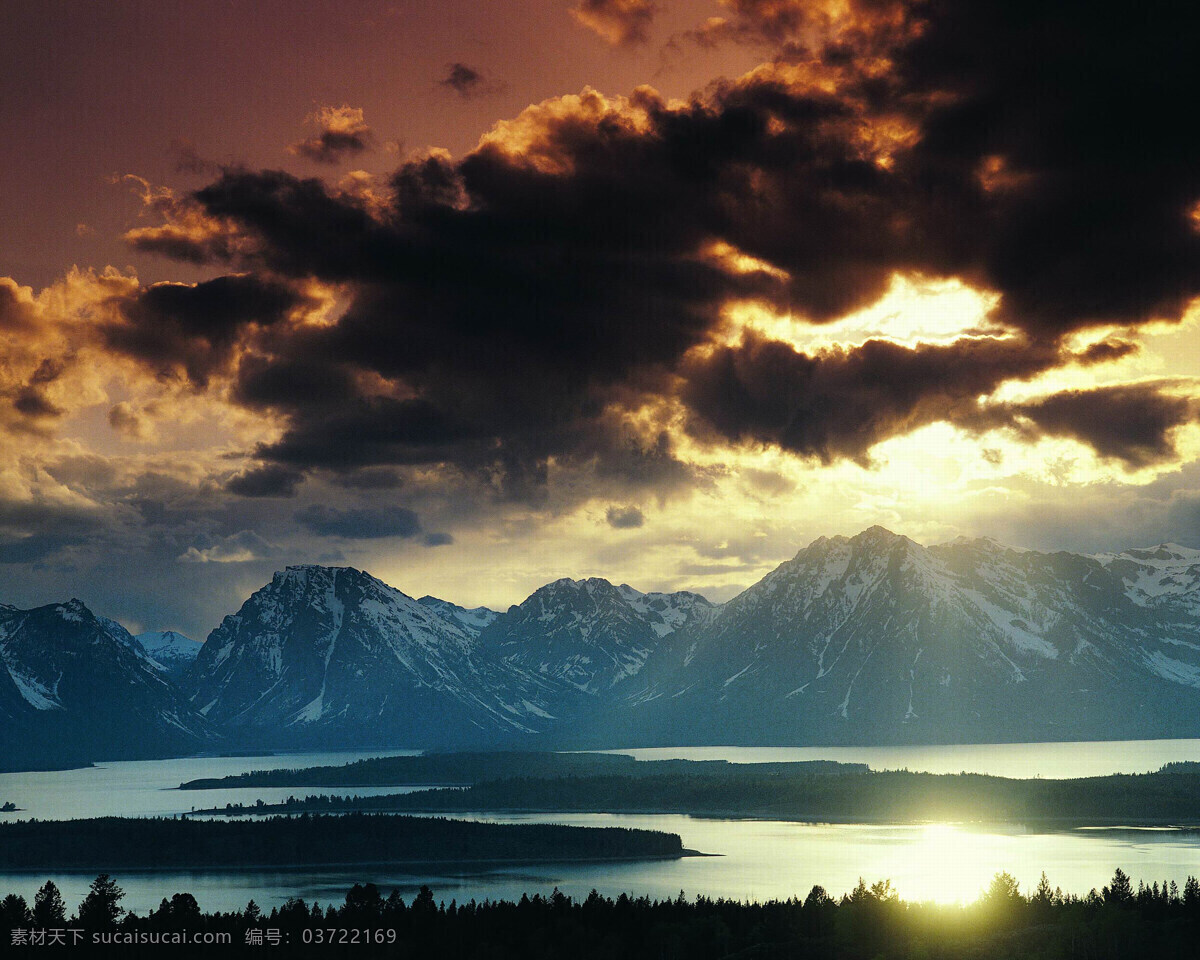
(1054,824)
(349,864)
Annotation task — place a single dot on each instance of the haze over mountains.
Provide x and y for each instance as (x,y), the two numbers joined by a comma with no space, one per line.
(870,639)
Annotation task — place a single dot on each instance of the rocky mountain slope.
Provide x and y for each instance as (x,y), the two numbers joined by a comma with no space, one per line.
(590,635)
(877,639)
(171,651)
(325,655)
(76,687)
(870,639)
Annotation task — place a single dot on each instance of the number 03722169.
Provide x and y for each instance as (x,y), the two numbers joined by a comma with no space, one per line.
(340,935)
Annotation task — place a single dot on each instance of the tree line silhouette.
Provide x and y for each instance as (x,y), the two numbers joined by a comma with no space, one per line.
(466,768)
(1171,795)
(153,843)
(872,921)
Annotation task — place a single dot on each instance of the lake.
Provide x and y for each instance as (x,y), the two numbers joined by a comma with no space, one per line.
(757,859)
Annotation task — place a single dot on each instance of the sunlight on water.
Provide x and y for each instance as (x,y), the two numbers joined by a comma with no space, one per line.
(754,859)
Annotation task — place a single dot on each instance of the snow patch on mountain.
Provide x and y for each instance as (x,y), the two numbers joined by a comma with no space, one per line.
(37,695)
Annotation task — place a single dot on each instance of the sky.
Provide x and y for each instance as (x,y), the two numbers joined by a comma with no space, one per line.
(478,295)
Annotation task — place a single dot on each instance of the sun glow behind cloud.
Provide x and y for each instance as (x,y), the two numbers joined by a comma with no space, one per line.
(914,309)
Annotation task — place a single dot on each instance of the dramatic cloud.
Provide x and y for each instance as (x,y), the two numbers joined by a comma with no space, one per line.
(1070,125)
(360,524)
(129,422)
(798,30)
(35,530)
(555,303)
(618,22)
(624,518)
(183,231)
(1132,423)
(841,403)
(271,480)
(196,327)
(342,132)
(47,367)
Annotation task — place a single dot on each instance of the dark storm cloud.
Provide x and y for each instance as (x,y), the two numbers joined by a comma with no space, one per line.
(271,480)
(37,547)
(1132,423)
(1080,122)
(624,518)
(33,532)
(619,22)
(32,402)
(437,539)
(171,326)
(294,381)
(518,307)
(30,399)
(360,523)
(371,478)
(840,403)
(342,132)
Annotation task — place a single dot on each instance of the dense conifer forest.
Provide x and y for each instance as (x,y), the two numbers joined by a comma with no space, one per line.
(158,843)
(1171,795)
(462,769)
(1156,920)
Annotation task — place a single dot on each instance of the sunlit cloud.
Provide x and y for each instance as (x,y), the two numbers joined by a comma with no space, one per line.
(617,22)
(342,132)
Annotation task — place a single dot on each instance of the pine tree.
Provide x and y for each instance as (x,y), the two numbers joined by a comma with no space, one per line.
(101,908)
(423,902)
(1120,891)
(14,913)
(1003,891)
(49,911)
(1043,896)
(184,910)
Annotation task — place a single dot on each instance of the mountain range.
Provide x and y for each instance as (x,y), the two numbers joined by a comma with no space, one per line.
(870,639)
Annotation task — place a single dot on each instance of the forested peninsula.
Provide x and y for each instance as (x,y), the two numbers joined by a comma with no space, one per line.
(1168,796)
(461,769)
(115,843)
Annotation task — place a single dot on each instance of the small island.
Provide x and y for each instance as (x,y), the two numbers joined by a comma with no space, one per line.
(8,807)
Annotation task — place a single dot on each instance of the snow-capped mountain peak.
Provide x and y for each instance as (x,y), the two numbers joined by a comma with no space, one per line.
(1166,576)
(72,681)
(338,653)
(471,620)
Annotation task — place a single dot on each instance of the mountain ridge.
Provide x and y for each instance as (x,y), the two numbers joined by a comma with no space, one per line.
(866,639)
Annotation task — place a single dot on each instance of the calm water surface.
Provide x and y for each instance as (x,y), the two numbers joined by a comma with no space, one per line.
(757,859)
(149,788)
